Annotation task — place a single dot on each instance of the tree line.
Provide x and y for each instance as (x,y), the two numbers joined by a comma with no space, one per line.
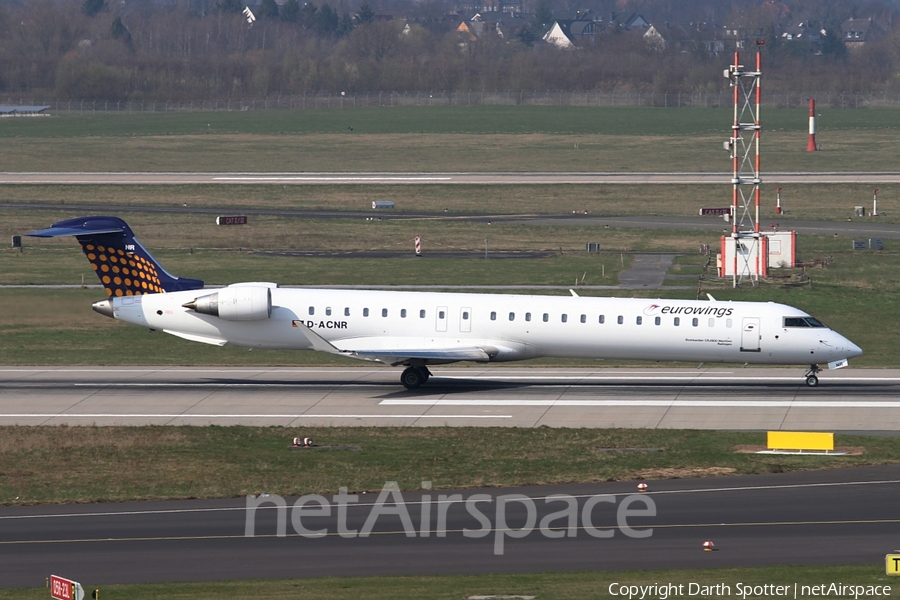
(84,49)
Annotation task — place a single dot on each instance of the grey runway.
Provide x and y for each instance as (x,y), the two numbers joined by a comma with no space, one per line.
(709,398)
(846,516)
(471,178)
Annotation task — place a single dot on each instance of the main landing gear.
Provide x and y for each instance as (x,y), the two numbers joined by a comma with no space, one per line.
(413,377)
(811,379)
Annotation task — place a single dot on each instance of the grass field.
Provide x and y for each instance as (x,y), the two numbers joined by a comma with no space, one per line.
(425,139)
(544,586)
(41,465)
(833,202)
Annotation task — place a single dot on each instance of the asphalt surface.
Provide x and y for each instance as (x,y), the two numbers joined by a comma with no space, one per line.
(852,400)
(71,178)
(847,516)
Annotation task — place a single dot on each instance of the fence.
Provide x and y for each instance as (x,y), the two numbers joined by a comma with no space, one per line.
(722,98)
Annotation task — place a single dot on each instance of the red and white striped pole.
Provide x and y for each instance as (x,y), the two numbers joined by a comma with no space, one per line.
(418,246)
(811,146)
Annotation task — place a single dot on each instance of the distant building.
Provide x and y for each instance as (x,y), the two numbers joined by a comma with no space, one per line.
(856,32)
(24,111)
(571,33)
(692,37)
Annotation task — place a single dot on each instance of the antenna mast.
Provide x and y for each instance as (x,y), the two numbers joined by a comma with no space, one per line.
(750,247)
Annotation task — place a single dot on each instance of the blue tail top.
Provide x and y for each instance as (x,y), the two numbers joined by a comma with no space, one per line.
(123,265)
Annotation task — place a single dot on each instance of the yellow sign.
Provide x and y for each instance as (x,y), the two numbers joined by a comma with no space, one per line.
(892,564)
(800,440)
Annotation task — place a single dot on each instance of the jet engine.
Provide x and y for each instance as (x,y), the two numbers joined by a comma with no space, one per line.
(238,303)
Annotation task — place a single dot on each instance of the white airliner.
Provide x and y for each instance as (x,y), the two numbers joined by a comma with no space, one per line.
(417,329)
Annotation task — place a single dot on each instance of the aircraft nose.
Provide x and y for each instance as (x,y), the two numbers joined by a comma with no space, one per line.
(851,349)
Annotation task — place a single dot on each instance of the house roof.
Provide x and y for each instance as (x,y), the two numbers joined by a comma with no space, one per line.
(856,30)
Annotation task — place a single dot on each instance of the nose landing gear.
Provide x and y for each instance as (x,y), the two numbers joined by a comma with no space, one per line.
(413,377)
(811,379)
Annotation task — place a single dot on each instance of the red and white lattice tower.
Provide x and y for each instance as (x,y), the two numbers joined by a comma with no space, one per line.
(749,252)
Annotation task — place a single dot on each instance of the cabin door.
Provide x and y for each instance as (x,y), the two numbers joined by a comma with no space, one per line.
(465,319)
(750,335)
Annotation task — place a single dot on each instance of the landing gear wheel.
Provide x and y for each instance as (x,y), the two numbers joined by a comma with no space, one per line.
(413,377)
(811,379)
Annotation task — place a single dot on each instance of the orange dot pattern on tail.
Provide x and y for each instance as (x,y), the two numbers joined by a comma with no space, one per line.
(123,273)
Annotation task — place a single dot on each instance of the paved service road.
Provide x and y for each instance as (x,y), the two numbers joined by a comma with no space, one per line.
(706,398)
(430,178)
(846,516)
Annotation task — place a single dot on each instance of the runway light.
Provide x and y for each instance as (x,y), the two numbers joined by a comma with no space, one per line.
(708,546)
(307,442)
(642,487)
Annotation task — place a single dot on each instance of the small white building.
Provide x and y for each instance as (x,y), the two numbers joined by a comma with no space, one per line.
(752,257)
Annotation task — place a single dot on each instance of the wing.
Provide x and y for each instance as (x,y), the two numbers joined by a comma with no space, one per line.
(399,356)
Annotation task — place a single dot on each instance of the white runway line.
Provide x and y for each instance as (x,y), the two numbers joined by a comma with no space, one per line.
(236,416)
(332,178)
(698,377)
(664,403)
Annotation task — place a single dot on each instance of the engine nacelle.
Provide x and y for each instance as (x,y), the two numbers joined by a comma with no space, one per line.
(239,303)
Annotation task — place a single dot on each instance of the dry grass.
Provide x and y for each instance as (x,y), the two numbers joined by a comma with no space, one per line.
(87,464)
(860,150)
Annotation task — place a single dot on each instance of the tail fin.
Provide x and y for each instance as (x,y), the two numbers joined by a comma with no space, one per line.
(123,265)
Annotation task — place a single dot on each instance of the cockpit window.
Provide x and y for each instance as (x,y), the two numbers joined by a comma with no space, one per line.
(802,322)
(795,322)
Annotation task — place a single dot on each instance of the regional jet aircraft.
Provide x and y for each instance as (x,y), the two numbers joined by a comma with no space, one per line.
(418,329)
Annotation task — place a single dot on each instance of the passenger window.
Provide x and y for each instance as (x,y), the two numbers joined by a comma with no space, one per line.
(383,312)
(695,322)
(365,312)
(657,320)
(677,321)
(493,315)
(728,323)
(546,317)
(440,314)
(421,314)
(584,318)
(346,311)
(312,310)
(712,322)
(328,311)
(465,315)
(602,319)
(402,313)
(620,320)
(527,316)
(639,320)
(512,316)
(565,317)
